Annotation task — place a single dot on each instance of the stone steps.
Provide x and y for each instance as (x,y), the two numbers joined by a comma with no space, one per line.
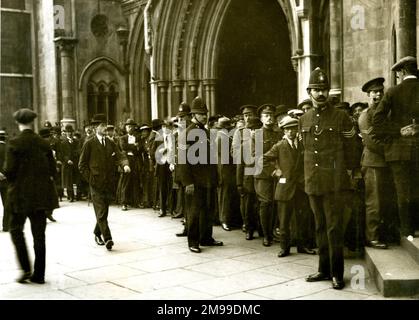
(395,270)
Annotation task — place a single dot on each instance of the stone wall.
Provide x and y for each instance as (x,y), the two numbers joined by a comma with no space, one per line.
(366,44)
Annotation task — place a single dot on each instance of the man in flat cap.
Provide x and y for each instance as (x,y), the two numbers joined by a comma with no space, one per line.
(29,169)
(395,122)
(289,187)
(200,178)
(98,158)
(375,170)
(327,135)
(264,182)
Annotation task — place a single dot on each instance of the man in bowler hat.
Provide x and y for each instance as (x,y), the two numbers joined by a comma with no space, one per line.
(98,158)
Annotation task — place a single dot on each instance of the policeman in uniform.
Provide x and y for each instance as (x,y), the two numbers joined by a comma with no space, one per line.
(264,182)
(200,179)
(327,134)
(395,122)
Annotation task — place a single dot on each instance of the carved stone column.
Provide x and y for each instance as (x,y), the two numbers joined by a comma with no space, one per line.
(209,88)
(193,89)
(406,45)
(177,98)
(162,103)
(66,47)
(336,36)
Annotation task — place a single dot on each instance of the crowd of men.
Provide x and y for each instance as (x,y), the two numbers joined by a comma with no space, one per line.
(324,174)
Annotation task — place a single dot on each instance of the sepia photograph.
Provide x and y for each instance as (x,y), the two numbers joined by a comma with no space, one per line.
(204,158)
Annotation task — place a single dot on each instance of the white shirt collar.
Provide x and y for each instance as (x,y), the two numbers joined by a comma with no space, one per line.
(99,137)
(290,142)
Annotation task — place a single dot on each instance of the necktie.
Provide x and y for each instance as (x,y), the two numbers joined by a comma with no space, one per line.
(103,142)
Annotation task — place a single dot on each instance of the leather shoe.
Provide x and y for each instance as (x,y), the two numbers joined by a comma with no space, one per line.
(214,243)
(283,253)
(338,284)
(37,280)
(99,241)
(162,214)
(377,244)
(182,234)
(25,276)
(195,249)
(249,235)
(305,250)
(225,227)
(51,218)
(109,244)
(267,242)
(319,276)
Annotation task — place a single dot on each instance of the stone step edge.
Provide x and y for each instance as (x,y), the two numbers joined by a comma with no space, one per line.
(391,287)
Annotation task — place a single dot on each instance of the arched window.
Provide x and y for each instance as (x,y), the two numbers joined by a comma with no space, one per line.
(101,100)
(112,104)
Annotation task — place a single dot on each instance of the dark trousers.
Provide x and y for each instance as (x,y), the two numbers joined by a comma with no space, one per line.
(377,194)
(405,177)
(228,204)
(101,201)
(6,208)
(265,193)
(302,221)
(328,214)
(249,208)
(38,225)
(164,185)
(200,216)
(68,180)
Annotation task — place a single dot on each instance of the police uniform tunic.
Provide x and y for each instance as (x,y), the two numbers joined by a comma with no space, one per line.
(328,138)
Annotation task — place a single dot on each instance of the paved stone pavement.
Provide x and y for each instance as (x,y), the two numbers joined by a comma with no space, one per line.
(149,262)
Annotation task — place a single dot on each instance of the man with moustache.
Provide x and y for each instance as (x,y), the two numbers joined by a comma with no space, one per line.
(327,134)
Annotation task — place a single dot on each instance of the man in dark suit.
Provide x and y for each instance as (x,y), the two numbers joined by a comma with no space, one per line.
(3,184)
(69,159)
(29,169)
(328,137)
(199,177)
(289,192)
(98,158)
(394,122)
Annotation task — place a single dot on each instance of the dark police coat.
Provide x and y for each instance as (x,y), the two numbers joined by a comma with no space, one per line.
(400,105)
(329,142)
(203,175)
(29,168)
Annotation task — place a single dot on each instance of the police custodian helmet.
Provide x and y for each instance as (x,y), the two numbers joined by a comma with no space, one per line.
(318,80)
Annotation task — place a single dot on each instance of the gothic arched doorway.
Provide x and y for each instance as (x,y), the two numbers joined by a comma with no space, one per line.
(254,62)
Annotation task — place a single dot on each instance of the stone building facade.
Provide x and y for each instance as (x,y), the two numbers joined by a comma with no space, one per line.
(69,59)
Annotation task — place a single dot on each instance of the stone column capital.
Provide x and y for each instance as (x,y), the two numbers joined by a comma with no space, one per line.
(66,44)
(209,82)
(178,84)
